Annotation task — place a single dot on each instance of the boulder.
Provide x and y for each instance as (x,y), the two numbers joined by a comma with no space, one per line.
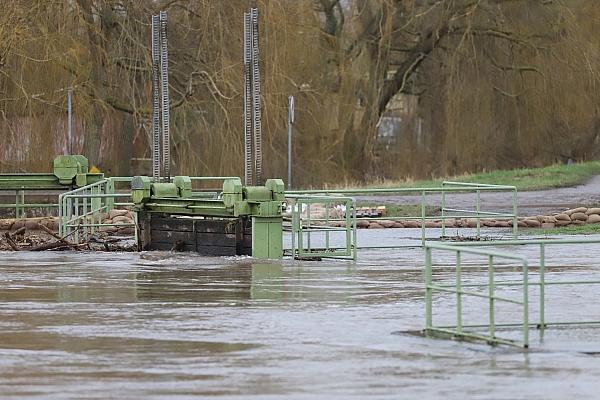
(6,224)
(109,229)
(386,223)
(579,216)
(122,219)
(451,223)
(411,224)
(54,225)
(362,223)
(18,224)
(593,219)
(471,223)
(562,217)
(32,225)
(576,210)
(593,210)
(560,222)
(117,213)
(126,230)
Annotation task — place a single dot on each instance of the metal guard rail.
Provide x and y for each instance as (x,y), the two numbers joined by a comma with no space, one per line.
(542,282)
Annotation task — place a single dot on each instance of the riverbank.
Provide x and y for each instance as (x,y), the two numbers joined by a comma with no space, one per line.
(525,179)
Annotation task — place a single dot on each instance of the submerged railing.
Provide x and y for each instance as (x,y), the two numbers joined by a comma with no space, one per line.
(332,234)
(447,213)
(458,330)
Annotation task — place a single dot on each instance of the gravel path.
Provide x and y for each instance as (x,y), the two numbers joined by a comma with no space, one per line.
(530,202)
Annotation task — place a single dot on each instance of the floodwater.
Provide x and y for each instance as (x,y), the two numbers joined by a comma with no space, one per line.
(156,325)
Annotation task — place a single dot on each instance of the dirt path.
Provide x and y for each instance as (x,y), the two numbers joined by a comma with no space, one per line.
(530,202)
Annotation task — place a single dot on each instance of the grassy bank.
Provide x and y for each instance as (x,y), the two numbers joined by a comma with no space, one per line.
(524,179)
(588,229)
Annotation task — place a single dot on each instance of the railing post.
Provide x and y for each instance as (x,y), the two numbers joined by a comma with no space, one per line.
(327,205)
(428,290)
(542,286)
(525,304)
(478,209)
(443,210)
(308,225)
(294,228)
(492,330)
(355,244)
(458,294)
(110,189)
(515,216)
(423,218)
(76,216)
(60,215)
(300,233)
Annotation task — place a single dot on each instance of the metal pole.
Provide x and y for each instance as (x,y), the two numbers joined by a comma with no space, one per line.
(70,121)
(290,130)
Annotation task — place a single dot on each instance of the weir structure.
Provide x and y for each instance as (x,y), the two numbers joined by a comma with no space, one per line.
(237,219)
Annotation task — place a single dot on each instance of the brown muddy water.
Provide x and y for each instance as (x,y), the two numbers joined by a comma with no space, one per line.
(157,325)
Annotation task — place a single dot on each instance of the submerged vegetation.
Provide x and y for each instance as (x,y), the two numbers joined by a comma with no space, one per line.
(384,89)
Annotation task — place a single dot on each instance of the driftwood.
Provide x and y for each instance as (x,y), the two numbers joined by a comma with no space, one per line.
(11,242)
(60,243)
(61,240)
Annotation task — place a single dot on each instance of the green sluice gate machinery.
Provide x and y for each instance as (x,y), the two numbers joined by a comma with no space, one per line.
(69,171)
(241,220)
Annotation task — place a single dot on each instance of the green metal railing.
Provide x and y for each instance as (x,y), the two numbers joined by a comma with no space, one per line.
(20,206)
(81,210)
(446,213)
(541,283)
(477,213)
(319,236)
(460,330)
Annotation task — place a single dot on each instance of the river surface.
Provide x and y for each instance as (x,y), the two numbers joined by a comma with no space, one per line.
(156,325)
